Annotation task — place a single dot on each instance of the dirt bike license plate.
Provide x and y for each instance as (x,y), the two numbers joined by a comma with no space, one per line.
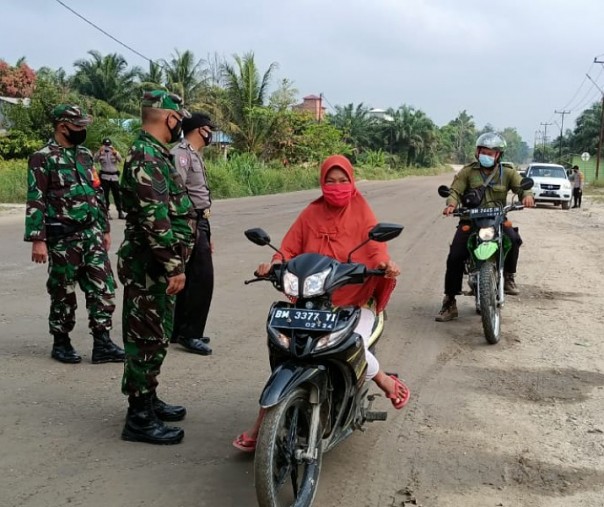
(295,318)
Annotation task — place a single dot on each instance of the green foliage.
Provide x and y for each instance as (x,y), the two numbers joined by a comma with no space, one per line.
(13,181)
(373,158)
(107,78)
(458,138)
(18,145)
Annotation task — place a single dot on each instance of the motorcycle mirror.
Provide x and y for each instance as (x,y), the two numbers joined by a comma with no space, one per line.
(444,191)
(381,232)
(258,236)
(527,183)
(385,232)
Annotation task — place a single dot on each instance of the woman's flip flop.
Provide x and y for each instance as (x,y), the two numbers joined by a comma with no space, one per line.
(399,400)
(244,443)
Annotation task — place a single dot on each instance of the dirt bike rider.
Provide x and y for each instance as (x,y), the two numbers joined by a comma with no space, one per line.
(468,188)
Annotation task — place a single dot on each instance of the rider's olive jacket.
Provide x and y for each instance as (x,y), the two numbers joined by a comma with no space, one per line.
(472,176)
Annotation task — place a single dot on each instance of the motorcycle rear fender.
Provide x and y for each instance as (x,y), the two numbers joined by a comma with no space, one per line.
(288,376)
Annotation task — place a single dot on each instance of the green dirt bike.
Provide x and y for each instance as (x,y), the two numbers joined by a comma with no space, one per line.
(488,247)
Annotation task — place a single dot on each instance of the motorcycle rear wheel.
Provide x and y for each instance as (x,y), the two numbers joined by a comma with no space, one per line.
(282,479)
(489,309)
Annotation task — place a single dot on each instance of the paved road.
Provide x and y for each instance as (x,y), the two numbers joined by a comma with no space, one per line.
(60,424)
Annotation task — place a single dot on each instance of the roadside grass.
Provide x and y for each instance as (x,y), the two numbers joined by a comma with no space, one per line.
(242,175)
(595,191)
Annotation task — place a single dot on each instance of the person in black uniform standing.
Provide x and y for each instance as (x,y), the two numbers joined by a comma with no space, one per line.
(193,303)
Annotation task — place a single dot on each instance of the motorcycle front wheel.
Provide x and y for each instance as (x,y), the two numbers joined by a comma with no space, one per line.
(489,309)
(285,478)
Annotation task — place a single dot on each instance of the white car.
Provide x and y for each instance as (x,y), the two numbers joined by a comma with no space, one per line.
(551,184)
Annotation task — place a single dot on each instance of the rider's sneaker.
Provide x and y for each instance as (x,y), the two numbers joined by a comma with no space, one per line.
(448,310)
(509,285)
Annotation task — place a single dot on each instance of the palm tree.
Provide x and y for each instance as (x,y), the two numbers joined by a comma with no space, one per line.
(185,75)
(107,78)
(357,126)
(245,97)
(154,78)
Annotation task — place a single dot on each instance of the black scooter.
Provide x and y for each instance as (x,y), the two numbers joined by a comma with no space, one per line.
(316,395)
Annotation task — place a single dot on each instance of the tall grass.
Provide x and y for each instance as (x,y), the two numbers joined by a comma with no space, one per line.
(242,175)
(13,181)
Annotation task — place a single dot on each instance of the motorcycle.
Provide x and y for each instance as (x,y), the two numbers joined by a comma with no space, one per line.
(488,247)
(316,395)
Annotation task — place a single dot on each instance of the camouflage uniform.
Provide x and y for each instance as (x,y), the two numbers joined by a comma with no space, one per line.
(157,243)
(65,208)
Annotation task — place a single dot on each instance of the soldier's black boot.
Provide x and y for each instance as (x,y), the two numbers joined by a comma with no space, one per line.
(104,350)
(62,350)
(166,412)
(143,425)
(120,215)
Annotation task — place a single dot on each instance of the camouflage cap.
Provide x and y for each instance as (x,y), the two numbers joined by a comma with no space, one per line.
(72,114)
(161,99)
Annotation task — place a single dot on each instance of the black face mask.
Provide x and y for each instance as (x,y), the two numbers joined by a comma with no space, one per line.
(175,131)
(207,137)
(75,137)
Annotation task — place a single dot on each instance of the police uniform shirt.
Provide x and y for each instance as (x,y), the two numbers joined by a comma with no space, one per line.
(190,165)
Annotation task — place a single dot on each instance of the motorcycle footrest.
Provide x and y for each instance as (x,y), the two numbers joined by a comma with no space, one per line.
(376,416)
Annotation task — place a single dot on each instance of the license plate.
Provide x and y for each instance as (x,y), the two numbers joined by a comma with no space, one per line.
(295,318)
(550,194)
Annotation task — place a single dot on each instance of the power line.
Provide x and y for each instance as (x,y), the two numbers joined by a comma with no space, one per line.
(105,32)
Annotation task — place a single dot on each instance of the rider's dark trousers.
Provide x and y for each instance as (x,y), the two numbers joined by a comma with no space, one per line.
(458,253)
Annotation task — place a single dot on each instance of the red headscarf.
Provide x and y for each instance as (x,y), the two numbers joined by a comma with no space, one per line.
(335,231)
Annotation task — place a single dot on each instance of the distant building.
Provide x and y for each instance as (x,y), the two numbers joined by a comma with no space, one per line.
(314,105)
(380,114)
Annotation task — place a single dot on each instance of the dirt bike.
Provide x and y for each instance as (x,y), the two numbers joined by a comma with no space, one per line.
(488,247)
(316,395)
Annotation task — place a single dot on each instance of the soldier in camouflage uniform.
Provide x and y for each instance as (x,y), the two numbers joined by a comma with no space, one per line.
(158,239)
(66,222)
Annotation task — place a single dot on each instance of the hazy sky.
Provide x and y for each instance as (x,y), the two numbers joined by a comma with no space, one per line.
(508,63)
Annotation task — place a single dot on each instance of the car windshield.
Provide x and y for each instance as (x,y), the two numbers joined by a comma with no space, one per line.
(547,172)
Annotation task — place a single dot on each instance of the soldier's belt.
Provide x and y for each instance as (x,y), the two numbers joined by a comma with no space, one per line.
(203,213)
(57,230)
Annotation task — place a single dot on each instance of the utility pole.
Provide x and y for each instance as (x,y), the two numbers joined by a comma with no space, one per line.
(545,138)
(537,134)
(561,113)
(601,125)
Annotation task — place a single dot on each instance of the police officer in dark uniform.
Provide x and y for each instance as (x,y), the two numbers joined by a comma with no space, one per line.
(193,303)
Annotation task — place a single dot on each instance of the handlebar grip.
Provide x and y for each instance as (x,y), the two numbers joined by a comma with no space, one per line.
(375,272)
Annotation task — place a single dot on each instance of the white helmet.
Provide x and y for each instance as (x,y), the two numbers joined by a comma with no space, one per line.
(492,141)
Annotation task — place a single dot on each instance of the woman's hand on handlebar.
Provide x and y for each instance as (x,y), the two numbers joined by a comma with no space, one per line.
(390,268)
(263,270)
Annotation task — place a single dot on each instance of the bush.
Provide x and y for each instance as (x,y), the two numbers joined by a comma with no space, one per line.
(18,145)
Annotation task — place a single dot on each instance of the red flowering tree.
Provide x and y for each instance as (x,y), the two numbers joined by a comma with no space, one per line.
(16,81)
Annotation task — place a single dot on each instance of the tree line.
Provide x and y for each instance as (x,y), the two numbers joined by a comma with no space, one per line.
(246,103)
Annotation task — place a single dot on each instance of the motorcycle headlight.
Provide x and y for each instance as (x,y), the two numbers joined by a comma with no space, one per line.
(314,284)
(486,233)
(331,339)
(282,340)
(290,284)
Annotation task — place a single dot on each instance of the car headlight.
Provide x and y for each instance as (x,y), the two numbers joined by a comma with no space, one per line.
(290,284)
(566,185)
(486,233)
(314,284)
(535,187)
